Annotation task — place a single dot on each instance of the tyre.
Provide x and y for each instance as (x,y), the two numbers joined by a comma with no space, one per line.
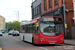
(18,35)
(23,38)
(32,40)
(13,35)
(8,34)
(1,35)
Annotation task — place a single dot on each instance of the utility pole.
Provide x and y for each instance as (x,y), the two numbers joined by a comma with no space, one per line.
(74,11)
(18,15)
(65,24)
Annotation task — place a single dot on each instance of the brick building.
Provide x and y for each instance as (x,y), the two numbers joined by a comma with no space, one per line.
(52,7)
(55,8)
(2,22)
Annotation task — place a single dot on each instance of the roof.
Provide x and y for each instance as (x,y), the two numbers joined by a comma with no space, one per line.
(2,16)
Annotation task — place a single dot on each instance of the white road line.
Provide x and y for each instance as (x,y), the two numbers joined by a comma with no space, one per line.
(16,39)
(43,48)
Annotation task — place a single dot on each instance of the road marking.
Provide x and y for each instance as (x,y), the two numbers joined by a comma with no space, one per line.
(16,39)
(0,48)
(43,48)
(65,44)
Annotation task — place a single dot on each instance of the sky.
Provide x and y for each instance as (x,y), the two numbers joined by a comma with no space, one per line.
(9,8)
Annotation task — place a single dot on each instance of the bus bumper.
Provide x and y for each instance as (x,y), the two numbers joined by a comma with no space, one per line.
(58,41)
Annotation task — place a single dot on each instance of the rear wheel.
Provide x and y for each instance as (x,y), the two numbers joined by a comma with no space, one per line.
(23,38)
(1,35)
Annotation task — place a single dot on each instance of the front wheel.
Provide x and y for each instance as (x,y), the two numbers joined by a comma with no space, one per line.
(32,40)
(1,35)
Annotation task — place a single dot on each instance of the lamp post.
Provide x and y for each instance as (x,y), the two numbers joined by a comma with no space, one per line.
(17,14)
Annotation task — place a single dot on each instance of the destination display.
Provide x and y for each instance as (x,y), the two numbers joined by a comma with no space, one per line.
(50,19)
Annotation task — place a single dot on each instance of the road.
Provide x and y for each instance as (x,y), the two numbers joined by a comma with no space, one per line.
(9,42)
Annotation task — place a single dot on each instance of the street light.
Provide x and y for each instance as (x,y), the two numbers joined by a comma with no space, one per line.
(17,14)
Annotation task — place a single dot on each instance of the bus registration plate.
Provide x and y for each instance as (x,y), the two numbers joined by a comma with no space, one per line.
(51,43)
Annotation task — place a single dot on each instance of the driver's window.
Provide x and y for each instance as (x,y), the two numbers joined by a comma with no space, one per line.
(37,28)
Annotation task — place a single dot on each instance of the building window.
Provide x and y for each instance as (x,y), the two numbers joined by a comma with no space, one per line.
(37,9)
(32,12)
(56,2)
(40,8)
(44,4)
(50,4)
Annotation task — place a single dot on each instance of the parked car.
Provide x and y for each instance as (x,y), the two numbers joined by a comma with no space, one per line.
(16,33)
(10,32)
(1,33)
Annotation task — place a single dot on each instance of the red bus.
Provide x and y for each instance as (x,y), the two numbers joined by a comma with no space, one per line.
(43,30)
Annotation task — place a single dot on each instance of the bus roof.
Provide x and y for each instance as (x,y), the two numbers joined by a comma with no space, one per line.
(35,20)
(28,22)
(25,22)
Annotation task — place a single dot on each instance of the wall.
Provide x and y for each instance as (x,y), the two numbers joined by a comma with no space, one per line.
(70,14)
(2,22)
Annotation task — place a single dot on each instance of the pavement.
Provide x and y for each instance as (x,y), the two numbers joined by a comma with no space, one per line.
(70,41)
(0,48)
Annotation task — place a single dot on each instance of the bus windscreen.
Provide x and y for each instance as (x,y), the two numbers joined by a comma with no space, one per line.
(51,26)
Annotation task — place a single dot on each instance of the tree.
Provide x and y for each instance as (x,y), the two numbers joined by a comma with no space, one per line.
(13,25)
(16,25)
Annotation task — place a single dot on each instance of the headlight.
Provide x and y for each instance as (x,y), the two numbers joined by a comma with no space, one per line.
(62,38)
(42,39)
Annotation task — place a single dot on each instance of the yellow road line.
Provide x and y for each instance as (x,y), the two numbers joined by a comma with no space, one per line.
(0,48)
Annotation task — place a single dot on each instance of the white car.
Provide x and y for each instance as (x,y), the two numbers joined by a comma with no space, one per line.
(10,32)
(16,33)
(1,33)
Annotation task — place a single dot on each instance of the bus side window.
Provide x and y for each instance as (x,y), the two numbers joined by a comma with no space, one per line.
(30,28)
(33,28)
(26,28)
(23,29)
